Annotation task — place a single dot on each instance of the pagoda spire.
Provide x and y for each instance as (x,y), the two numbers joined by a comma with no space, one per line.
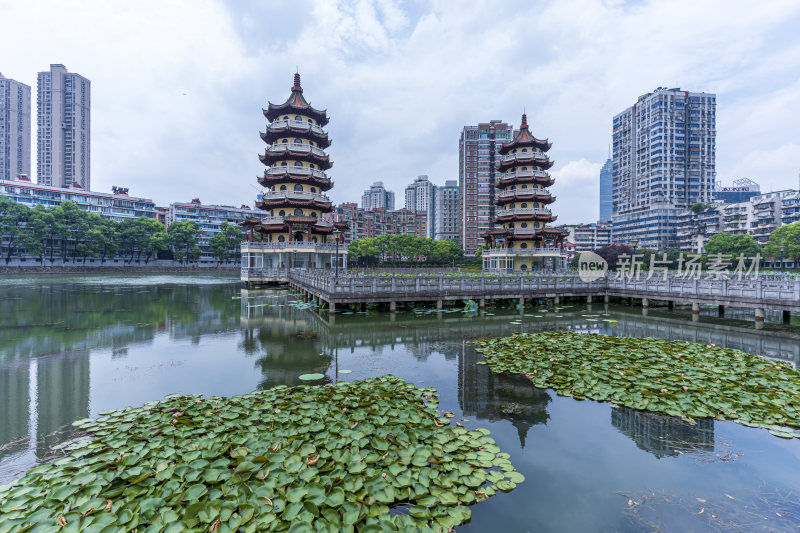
(296,87)
(524,125)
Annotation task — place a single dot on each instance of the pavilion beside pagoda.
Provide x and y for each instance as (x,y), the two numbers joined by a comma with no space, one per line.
(293,233)
(521,240)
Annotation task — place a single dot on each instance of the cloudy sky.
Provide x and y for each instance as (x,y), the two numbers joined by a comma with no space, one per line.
(178,85)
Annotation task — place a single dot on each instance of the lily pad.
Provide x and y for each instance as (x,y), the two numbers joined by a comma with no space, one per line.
(311,457)
(674,378)
(311,377)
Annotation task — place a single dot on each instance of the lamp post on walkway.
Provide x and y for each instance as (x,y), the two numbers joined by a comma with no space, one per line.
(782,248)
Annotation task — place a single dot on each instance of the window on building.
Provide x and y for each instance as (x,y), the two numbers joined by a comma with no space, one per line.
(283,187)
(298,187)
(298,212)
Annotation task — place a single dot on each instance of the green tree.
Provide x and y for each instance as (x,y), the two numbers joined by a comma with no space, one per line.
(787,236)
(218,246)
(183,235)
(734,245)
(13,217)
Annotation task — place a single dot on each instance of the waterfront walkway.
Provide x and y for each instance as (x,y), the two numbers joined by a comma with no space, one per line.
(758,293)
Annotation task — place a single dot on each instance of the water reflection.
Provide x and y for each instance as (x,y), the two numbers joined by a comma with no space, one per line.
(661,435)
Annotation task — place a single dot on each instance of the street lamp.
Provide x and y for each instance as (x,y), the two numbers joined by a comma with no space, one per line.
(634,243)
(782,248)
(336,234)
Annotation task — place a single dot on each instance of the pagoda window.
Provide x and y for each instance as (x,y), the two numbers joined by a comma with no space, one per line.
(284,141)
(524,168)
(313,189)
(524,225)
(283,187)
(282,213)
(283,163)
(511,225)
(523,266)
(524,150)
(281,238)
(524,205)
(310,121)
(298,212)
(523,245)
(524,186)
(298,187)
(298,164)
(536,224)
(314,239)
(298,141)
(314,214)
(298,118)
(311,165)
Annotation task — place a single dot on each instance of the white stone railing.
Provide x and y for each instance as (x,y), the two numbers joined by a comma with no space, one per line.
(523,251)
(312,246)
(280,148)
(524,156)
(297,171)
(285,124)
(525,174)
(295,195)
(524,211)
(511,193)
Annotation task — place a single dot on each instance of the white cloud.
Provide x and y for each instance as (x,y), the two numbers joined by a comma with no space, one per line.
(401,79)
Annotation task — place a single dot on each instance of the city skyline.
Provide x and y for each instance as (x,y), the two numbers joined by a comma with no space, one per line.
(174,118)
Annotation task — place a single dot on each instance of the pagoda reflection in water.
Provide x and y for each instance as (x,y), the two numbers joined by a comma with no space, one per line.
(662,435)
(490,396)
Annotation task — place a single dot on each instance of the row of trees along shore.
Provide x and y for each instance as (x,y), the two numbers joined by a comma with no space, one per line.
(403,250)
(67,233)
(784,243)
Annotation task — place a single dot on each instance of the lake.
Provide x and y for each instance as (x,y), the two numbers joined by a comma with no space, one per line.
(71,347)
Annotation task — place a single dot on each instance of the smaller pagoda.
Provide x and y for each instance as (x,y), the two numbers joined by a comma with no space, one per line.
(296,230)
(521,240)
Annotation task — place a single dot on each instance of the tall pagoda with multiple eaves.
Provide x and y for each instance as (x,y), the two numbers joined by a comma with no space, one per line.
(293,233)
(521,240)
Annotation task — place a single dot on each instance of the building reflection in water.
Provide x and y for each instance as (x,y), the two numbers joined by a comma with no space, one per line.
(490,396)
(60,377)
(662,435)
(288,341)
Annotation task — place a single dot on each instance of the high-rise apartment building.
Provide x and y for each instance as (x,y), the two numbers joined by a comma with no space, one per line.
(15,129)
(63,113)
(420,199)
(606,191)
(446,212)
(477,155)
(377,197)
(664,158)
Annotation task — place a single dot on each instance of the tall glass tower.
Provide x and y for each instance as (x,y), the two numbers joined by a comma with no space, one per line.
(606,187)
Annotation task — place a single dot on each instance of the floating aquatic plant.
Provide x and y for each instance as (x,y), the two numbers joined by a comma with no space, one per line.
(675,378)
(371,455)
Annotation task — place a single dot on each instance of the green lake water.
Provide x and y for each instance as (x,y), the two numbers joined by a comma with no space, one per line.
(71,347)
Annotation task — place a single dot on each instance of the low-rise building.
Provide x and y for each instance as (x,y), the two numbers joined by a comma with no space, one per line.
(446,212)
(209,218)
(117,205)
(589,237)
(758,216)
(371,223)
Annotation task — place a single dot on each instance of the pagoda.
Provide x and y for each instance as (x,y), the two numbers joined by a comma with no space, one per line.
(521,240)
(294,231)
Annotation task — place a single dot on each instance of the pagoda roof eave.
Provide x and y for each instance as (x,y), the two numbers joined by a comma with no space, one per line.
(274,110)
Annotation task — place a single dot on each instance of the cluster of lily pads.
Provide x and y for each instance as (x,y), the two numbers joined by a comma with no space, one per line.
(675,378)
(371,455)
